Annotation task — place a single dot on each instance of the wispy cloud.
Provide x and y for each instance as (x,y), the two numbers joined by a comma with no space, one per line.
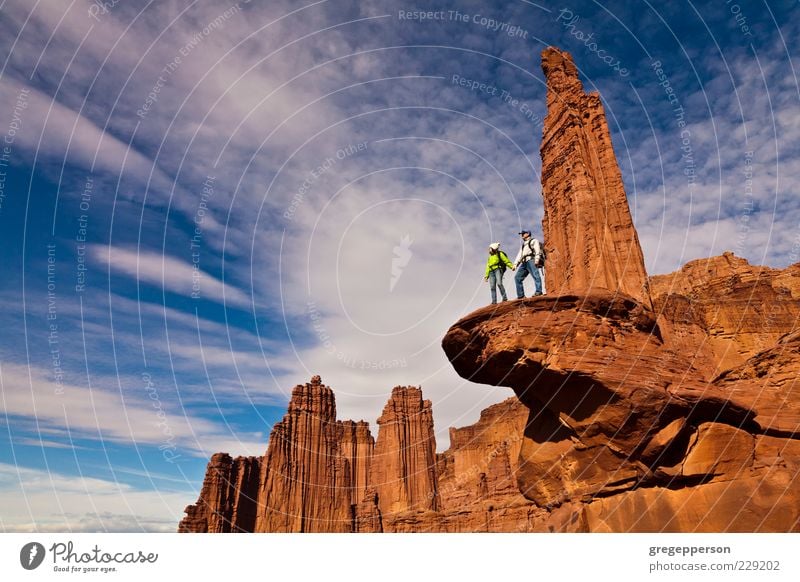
(44,443)
(51,131)
(130,415)
(169,273)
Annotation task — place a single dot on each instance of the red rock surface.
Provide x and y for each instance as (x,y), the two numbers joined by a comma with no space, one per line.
(627,429)
(724,310)
(306,481)
(306,477)
(313,475)
(228,497)
(477,483)
(356,445)
(588,231)
(403,469)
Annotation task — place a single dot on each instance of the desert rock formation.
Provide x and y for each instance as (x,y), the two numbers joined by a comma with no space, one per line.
(227,499)
(724,310)
(306,474)
(320,474)
(404,464)
(588,231)
(624,427)
(664,403)
(668,403)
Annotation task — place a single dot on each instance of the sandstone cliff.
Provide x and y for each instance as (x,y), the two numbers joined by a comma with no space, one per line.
(624,428)
(403,468)
(320,474)
(306,481)
(228,497)
(723,310)
(306,477)
(588,231)
(357,446)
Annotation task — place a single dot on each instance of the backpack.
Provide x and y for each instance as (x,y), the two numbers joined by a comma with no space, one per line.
(503,258)
(544,256)
(540,264)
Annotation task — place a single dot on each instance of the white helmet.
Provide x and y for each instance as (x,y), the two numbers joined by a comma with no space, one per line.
(494,246)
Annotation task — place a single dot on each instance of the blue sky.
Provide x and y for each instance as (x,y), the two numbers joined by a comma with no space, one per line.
(201,203)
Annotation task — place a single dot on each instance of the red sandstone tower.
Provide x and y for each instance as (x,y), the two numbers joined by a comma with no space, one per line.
(588,231)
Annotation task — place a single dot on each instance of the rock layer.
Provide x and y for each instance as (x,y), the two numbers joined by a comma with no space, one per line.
(305,482)
(588,231)
(357,446)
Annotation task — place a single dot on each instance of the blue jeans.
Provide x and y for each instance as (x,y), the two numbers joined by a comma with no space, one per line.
(496,279)
(522,272)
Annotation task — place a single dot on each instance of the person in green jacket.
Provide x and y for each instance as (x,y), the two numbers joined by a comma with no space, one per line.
(496,266)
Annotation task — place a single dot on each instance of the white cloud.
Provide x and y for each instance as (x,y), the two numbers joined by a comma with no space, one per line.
(151,417)
(33,500)
(54,132)
(369,337)
(44,443)
(172,274)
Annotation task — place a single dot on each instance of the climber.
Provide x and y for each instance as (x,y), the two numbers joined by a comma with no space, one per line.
(529,259)
(495,269)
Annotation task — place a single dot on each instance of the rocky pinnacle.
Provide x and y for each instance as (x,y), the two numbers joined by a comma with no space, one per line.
(588,231)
